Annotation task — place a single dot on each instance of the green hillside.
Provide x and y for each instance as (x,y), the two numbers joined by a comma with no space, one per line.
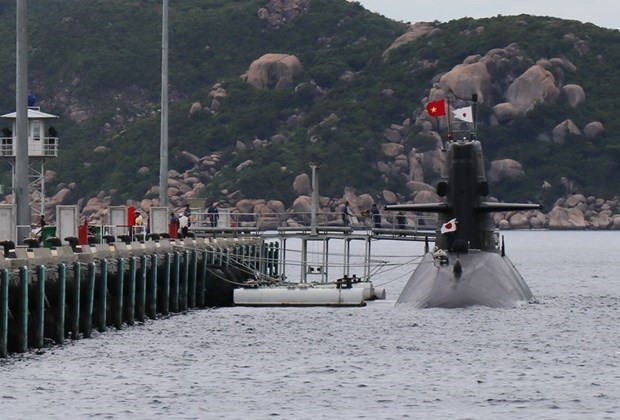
(100,60)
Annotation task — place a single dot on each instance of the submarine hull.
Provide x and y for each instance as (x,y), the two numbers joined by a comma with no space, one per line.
(480,278)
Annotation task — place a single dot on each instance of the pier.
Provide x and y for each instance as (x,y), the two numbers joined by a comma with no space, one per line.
(48,295)
(64,290)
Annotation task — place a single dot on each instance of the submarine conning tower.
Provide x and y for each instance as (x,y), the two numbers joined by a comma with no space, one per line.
(464,187)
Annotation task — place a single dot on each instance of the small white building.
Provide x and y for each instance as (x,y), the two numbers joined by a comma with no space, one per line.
(42,139)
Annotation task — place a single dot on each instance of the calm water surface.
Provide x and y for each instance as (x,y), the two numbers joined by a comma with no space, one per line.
(558,359)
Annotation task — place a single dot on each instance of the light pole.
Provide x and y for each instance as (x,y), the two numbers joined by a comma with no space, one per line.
(21,185)
(163,147)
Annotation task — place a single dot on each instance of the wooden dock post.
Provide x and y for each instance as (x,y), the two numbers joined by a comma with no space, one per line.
(22,316)
(4,313)
(59,333)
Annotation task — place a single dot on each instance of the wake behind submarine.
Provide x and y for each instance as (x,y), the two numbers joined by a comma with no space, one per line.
(468,265)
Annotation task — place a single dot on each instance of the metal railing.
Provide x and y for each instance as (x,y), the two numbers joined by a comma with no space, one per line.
(200,220)
(41,146)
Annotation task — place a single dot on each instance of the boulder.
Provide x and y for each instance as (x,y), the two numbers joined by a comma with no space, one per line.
(392,150)
(389,197)
(574,200)
(563,218)
(302,204)
(283,12)
(562,130)
(274,71)
(302,185)
(466,79)
(574,94)
(593,130)
(504,169)
(535,85)
(505,112)
(415,31)
(519,221)
(425,196)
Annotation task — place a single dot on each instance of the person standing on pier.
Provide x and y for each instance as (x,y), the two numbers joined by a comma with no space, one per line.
(345,214)
(376,216)
(213,215)
(183,225)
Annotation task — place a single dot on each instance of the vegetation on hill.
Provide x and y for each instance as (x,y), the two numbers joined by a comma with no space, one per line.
(96,64)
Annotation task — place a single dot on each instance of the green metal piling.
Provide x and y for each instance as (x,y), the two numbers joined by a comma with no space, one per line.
(174,285)
(22,335)
(165,297)
(141,290)
(131,298)
(60,305)
(193,274)
(117,314)
(4,313)
(152,289)
(90,300)
(184,286)
(102,297)
(202,280)
(75,318)
(39,313)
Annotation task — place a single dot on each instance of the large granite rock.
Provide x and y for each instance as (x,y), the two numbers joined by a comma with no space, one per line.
(563,218)
(274,71)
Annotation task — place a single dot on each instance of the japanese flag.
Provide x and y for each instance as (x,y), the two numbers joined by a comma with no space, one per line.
(464,114)
(449,226)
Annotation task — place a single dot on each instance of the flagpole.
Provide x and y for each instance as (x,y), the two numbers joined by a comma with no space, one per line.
(449,121)
(474,114)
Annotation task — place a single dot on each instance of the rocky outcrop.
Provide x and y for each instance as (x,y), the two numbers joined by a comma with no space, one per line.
(504,169)
(415,31)
(535,85)
(274,71)
(464,80)
(279,13)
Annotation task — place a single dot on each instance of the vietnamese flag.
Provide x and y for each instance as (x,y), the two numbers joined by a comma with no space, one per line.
(436,108)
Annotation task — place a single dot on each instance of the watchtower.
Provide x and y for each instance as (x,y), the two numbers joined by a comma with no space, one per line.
(42,146)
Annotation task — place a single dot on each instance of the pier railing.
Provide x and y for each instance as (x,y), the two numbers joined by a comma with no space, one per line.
(256,222)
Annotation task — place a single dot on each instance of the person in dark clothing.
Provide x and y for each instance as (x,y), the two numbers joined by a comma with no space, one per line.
(42,221)
(345,214)
(376,216)
(213,215)
(401,221)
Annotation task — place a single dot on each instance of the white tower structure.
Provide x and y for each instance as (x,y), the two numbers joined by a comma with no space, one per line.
(42,146)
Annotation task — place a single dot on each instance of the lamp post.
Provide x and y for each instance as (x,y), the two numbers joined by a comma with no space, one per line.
(21,191)
(163,147)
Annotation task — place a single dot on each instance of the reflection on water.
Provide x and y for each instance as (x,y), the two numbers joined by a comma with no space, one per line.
(559,359)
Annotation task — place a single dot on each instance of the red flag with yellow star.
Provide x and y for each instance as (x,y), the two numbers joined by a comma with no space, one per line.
(436,108)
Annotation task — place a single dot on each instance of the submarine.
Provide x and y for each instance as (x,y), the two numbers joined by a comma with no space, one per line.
(468,265)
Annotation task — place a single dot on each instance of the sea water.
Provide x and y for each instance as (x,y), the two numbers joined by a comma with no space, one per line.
(557,359)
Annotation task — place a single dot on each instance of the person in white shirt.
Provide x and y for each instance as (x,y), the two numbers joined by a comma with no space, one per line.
(183,225)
